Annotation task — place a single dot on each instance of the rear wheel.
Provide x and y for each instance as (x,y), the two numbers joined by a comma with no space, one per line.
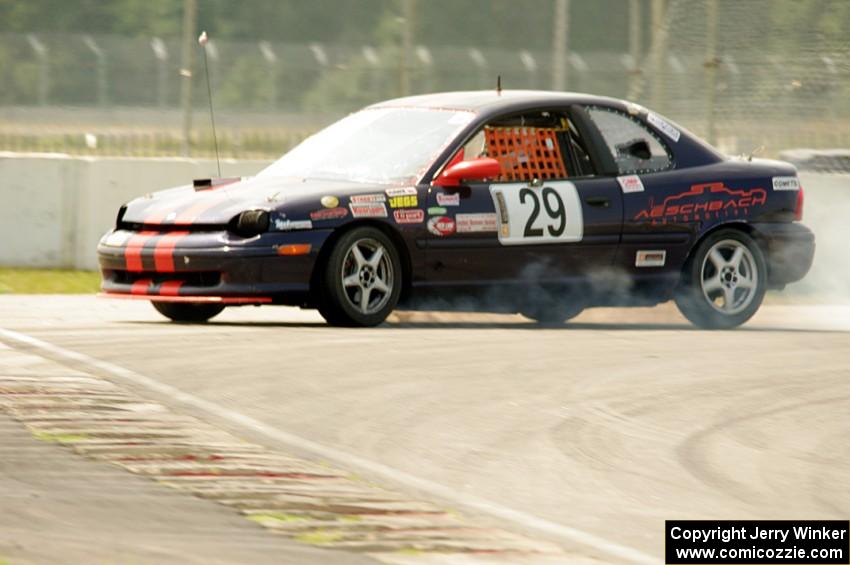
(361,283)
(188,312)
(724,282)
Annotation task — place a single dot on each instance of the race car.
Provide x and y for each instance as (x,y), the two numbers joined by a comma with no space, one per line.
(540,203)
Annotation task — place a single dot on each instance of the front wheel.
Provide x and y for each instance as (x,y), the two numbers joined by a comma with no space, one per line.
(188,312)
(724,282)
(362,278)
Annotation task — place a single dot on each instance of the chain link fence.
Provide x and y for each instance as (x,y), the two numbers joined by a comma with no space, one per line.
(721,68)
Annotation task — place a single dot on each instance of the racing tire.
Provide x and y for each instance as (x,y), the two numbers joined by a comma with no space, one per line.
(553,314)
(552,306)
(188,312)
(361,281)
(724,281)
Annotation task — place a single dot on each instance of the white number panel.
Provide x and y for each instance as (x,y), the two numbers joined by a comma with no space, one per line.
(550,213)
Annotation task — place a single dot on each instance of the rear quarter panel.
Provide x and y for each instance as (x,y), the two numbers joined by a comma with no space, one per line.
(679,207)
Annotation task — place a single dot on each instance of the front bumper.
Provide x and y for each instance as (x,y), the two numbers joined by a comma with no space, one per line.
(219,266)
(789,251)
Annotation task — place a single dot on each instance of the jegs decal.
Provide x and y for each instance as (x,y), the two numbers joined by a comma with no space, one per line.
(404,201)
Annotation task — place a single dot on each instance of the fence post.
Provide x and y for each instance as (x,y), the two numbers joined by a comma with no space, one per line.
(659,54)
(481,63)
(634,45)
(271,60)
(711,64)
(100,58)
(530,66)
(407,23)
(370,54)
(190,8)
(42,55)
(560,44)
(161,54)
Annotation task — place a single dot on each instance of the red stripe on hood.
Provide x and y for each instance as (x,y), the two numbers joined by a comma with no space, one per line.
(163,254)
(133,250)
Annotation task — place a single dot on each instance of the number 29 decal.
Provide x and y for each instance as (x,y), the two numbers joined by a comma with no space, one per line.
(531,215)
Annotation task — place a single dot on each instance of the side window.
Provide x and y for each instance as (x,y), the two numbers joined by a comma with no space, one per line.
(534,145)
(634,148)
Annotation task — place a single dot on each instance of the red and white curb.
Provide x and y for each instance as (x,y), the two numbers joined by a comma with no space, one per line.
(306,501)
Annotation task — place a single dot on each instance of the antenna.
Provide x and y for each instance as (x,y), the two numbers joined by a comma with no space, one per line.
(203,40)
(499,85)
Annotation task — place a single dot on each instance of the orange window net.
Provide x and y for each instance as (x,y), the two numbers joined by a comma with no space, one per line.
(526,153)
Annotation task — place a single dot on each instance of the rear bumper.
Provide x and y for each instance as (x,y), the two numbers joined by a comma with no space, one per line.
(179,266)
(789,249)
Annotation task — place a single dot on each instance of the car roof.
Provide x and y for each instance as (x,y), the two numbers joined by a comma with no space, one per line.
(490,100)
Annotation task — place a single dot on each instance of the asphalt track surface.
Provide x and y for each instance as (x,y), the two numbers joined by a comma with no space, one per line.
(588,435)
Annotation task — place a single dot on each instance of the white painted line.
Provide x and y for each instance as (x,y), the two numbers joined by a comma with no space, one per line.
(347,460)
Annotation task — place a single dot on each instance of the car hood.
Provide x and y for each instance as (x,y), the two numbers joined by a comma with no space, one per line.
(219,203)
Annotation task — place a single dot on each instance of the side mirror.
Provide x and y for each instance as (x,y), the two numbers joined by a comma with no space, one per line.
(637,148)
(474,169)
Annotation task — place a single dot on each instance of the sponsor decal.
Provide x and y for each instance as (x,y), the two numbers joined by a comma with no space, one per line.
(368,210)
(704,202)
(409,216)
(441,226)
(786,183)
(328,214)
(663,125)
(436,211)
(630,183)
(368,198)
(444,199)
(329,201)
(471,223)
(290,225)
(650,258)
(406,201)
(403,191)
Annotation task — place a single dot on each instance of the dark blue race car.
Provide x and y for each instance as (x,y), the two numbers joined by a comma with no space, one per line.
(534,202)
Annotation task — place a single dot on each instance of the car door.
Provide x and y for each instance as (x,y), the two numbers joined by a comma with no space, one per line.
(650,246)
(549,221)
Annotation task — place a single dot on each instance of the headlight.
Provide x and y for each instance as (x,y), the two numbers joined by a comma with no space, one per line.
(250,223)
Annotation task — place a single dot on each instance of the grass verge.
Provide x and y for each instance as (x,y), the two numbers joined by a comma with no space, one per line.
(48,281)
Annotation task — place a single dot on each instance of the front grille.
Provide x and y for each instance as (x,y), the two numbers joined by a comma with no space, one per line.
(164,228)
(195,279)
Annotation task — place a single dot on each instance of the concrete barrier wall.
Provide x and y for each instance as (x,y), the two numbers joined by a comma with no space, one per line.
(54,208)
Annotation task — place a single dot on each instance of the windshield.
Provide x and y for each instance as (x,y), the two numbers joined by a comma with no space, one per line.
(382,145)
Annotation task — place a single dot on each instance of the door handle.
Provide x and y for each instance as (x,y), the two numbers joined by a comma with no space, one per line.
(598,201)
